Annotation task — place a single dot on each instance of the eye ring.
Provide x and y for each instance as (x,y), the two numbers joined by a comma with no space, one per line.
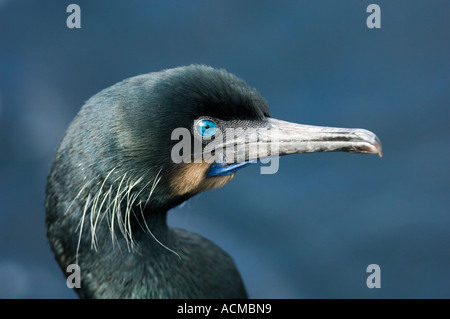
(206,127)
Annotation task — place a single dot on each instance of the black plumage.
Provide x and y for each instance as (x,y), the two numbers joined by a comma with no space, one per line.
(112,182)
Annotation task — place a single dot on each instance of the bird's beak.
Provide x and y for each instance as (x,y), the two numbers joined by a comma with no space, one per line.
(276,138)
(298,138)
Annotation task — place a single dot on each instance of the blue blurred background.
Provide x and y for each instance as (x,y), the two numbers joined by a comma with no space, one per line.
(308,231)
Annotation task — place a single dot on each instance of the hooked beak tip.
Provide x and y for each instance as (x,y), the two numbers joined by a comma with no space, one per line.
(378,147)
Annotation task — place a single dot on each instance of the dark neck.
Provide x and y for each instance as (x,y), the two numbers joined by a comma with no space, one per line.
(162,263)
(124,252)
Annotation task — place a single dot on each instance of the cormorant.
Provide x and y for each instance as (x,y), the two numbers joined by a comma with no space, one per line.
(119,169)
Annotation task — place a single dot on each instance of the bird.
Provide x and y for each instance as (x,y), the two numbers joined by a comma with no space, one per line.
(122,165)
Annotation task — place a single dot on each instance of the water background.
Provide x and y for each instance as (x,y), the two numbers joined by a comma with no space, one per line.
(308,231)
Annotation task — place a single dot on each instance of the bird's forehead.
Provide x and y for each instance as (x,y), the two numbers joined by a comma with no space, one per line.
(203,91)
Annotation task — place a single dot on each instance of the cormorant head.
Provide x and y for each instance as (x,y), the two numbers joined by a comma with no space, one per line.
(145,145)
(193,127)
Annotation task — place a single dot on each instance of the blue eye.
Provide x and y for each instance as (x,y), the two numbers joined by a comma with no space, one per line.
(206,128)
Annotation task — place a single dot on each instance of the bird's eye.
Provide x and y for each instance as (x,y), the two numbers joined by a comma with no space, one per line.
(206,128)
